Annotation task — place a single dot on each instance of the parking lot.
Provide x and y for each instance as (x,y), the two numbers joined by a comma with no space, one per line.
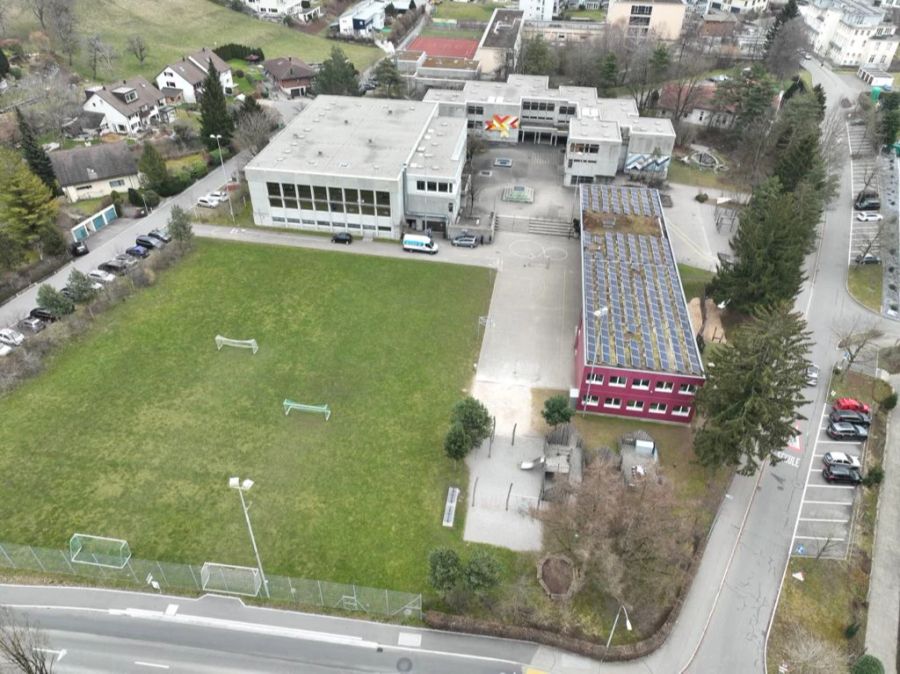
(825,523)
(866,176)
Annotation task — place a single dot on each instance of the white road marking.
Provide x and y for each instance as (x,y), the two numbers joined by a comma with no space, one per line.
(171,609)
(832,486)
(155,665)
(59,654)
(793,461)
(409,639)
(834,503)
(821,538)
(818,519)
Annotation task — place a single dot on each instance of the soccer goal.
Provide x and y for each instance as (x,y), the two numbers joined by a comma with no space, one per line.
(241,343)
(243,580)
(112,553)
(319,409)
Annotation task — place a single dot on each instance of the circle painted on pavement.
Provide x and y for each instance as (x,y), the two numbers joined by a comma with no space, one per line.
(404,665)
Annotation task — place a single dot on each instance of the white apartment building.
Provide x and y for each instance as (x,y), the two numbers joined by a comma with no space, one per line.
(539,10)
(850,32)
(738,6)
(369,166)
(275,7)
(185,77)
(128,108)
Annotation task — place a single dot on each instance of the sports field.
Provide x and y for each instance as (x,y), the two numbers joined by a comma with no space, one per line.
(133,431)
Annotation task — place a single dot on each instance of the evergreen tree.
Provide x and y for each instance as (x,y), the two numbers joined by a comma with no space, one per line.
(337,76)
(54,301)
(768,248)
(457,443)
(481,573)
(538,57)
(11,250)
(153,166)
(750,400)
(557,410)
(390,83)
(4,64)
(250,106)
(180,228)
(28,208)
(444,569)
(797,160)
(35,155)
(81,287)
(819,93)
(788,12)
(474,418)
(608,76)
(890,126)
(214,117)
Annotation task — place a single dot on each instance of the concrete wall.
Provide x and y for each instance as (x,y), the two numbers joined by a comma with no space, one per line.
(603,163)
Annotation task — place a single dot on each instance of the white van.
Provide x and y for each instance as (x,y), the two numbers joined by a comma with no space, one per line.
(416,243)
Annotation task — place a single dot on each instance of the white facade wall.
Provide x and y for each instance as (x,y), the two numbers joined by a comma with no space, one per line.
(590,158)
(101,188)
(115,121)
(168,78)
(538,10)
(274,7)
(850,34)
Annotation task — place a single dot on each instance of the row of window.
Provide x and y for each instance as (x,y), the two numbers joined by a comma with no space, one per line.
(636,406)
(640,384)
(329,199)
(641,10)
(322,224)
(639,21)
(589,148)
(434,186)
(538,106)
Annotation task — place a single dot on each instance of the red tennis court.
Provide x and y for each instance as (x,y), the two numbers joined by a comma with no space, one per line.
(445,46)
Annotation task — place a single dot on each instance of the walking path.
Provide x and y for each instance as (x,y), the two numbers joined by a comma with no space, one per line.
(884,583)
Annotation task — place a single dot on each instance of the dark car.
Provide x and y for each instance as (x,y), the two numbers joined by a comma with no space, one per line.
(67,291)
(839,473)
(114,267)
(127,260)
(148,242)
(78,249)
(465,241)
(838,430)
(851,417)
(32,324)
(342,237)
(159,235)
(137,251)
(43,314)
(867,202)
(868,258)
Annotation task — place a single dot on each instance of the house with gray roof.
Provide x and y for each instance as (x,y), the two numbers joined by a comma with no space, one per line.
(187,75)
(95,171)
(128,108)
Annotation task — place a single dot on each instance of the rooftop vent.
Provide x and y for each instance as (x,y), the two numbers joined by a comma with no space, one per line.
(345,164)
(346,121)
(319,153)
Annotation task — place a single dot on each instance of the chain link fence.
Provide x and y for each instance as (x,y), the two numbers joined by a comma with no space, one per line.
(187,577)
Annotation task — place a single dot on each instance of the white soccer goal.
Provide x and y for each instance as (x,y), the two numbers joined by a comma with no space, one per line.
(243,580)
(319,409)
(241,343)
(112,553)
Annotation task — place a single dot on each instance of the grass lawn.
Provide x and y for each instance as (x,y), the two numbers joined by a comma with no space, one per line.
(465,11)
(252,75)
(173,28)
(694,280)
(865,283)
(457,34)
(679,172)
(188,160)
(133,431)
(585,14)
(85,206)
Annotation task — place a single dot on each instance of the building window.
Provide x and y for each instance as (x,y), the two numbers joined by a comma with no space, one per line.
(289,190)
(635,405)
(614,403)
(383,203)
(594,378)
(274,189)
(590,400)
(641,10)
(681,411)
(367,197)
(81,188)
(475,110)
(617,381)
(665,386)
(117,183)
(420,185)
(442,187)
(687,389)
(641,384)
(657,408)
(639,21)
(471,123)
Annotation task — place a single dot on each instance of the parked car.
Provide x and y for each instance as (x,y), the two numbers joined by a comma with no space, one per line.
(67,291)
(44,314)
(868,258)
(869,217)
(812,375)
(867,202)
(11,337)
(107,271)
(5,350)
(127,260)
(148,242)
(844,474)
(851,417)
(208,201)
(342,237)
(851,404)
(838,430)
(840,459)
(137,251)
(32,324)
(160,235)
(465,241)
(221,196)
(78,249)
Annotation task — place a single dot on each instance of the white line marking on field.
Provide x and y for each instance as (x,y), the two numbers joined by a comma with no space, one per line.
(155,665)
(409,639)
(834,503)
(818,519)
(59,654)
(171,609)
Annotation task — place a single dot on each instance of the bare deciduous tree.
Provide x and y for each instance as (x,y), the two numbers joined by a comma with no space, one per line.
(99,54)
(254,129)
(41,10)
(806,653)
(62,22)
(23,645)
(48,101)
(138,46)
(854,337)
(783,58)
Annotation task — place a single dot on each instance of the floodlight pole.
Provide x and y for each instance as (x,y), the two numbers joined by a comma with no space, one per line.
(613,630)
(218,137)
(240,489)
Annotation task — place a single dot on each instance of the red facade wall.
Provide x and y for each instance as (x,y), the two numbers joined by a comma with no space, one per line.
(671,399)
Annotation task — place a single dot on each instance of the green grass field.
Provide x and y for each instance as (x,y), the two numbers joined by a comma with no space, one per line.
(465,11)
(133,431)
(865,283)
(694,280)
(173,28)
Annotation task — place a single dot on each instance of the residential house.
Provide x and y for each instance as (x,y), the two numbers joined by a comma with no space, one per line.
(697,105)
(128,108)
(302,10)
(292,76)
(739,6)
(363,18)
(663,18)
(187,75)
(91,172)
(851,32)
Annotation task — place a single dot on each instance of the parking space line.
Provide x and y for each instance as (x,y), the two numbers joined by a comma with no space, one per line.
(834,503)
(821,519)
(839,442)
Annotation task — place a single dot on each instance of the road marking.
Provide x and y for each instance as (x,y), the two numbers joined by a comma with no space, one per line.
(171,609)
(817,519)
(59,654)
(793,461)
(409,639)
(834,503)
(832,486)
(821,538)
(155,665)
(845,443)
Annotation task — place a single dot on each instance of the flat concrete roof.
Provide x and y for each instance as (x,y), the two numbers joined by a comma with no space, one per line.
(366,137)
(594,129)
(503,30)
(450,63)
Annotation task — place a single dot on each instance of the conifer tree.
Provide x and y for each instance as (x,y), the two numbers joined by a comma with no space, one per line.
(214,117)
(35,155)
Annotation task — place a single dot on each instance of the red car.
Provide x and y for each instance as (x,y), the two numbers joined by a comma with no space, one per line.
(851,404)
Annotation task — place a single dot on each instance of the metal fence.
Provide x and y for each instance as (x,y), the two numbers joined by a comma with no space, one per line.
(187,577)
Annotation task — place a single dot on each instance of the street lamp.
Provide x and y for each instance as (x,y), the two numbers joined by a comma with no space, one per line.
(218,137)
(602,311)
(613,630)
(242,486)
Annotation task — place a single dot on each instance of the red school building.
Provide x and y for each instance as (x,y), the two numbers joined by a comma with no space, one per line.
(636,352)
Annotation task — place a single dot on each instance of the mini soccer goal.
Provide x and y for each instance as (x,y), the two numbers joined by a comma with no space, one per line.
(318,409)
(243,580)
(240,343)
(112,553)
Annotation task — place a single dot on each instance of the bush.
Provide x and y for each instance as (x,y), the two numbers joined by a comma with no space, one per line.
(134,197)
(444,569)
(867,664)
(557,410)
(889,402)
(238,51)
(172,185)
(239,73)
(16,72)
(152,198)
(702,197)
(851,630)
(213,160)
(874,477)
(474,418)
